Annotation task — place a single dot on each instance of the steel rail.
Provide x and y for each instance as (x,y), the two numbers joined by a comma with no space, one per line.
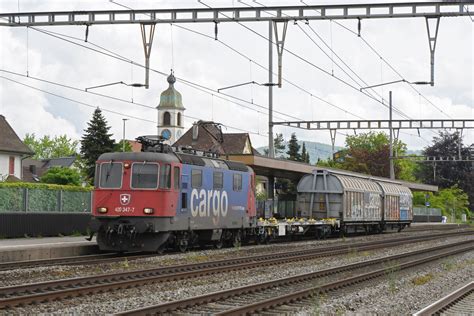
(241,14)
(31,293)
(459,301)
(76,260)
(290,298)
(258,288)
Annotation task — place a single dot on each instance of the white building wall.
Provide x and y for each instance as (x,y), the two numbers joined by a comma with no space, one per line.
(5,165)
(173,128)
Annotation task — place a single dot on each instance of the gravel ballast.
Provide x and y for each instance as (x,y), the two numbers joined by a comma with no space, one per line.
(362,301)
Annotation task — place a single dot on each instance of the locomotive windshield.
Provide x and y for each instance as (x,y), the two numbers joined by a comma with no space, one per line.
(145,175)
(111,175)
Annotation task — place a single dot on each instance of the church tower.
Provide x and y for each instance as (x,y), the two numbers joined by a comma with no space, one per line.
(170,113)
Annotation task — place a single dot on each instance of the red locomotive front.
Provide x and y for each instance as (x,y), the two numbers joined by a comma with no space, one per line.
(132,191)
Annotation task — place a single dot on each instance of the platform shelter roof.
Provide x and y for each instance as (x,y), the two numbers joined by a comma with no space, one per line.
(293,170)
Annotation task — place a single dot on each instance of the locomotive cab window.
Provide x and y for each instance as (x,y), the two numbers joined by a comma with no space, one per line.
(218,180)
(176,178)
(144,176)
(111,175)
(165,177)
(237,182)
(196,178)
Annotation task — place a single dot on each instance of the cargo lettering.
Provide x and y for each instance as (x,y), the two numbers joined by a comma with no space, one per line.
(209,203)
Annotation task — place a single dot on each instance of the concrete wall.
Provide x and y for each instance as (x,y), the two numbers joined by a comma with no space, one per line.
(5,163)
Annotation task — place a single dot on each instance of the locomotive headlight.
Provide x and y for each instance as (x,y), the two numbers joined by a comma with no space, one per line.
(102,210)
(148,210)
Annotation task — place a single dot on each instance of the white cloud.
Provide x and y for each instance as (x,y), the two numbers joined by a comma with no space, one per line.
(402,42)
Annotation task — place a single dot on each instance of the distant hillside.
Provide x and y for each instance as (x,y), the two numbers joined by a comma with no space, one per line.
(315,150)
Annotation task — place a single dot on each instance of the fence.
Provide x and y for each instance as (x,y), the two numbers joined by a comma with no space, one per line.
(426,214)
(43,212)
(44,200)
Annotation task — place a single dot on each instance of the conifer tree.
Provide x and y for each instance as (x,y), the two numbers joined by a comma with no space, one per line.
(95,141)
(293,149)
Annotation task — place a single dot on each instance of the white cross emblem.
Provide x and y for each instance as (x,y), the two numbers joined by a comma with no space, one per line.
(124,199)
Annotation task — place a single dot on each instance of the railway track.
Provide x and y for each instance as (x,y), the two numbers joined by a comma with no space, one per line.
(52,290)
(439,227)
(102,258)
(459,302)
(272,294)
(76,260)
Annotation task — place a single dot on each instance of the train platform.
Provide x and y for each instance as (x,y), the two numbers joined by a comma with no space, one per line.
(21,249)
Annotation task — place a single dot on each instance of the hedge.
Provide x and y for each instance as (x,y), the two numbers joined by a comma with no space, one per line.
(46,186)
(44,197)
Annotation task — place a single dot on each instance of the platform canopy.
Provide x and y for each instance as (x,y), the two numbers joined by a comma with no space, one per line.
(288,169)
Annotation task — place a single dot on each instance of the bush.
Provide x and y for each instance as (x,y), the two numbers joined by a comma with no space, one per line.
(59,175)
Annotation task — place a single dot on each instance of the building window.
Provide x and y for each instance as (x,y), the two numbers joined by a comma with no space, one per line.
(179,119)
(11,167)
(166,119)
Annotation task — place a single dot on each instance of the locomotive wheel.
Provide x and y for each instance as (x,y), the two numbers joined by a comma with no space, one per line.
(183,245)
(218,244)
(237,241)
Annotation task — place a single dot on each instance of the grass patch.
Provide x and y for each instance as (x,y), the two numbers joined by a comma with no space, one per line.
(420,280)
(391,271)
(196,258)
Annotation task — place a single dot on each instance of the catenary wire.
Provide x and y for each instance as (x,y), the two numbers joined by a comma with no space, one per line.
(108,110)
(386,62)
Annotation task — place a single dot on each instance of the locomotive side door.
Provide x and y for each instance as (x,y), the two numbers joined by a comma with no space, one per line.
(183,196)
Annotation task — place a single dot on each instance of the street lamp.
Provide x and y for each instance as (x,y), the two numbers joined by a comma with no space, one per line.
(392,168)
(123,135)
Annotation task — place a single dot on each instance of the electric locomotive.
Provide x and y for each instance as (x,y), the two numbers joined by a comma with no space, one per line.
(161,198)
(179,198)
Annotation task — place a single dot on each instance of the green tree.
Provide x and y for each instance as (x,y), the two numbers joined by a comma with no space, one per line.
(119,146)
(293,151)
(369,153)
(60,175)
(51,147)
(278,146)
(95,141)
(451,200)
(448,174)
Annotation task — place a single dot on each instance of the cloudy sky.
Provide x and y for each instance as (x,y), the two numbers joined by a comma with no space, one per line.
(388,50)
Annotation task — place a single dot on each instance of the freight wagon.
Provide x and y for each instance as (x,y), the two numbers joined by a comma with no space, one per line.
(356,202)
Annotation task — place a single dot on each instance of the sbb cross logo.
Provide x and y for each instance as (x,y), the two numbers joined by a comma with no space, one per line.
(125,199)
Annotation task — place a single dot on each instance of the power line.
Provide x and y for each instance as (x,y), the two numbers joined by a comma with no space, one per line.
(385,61)
(318,68)
(105,109)
(194,85)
